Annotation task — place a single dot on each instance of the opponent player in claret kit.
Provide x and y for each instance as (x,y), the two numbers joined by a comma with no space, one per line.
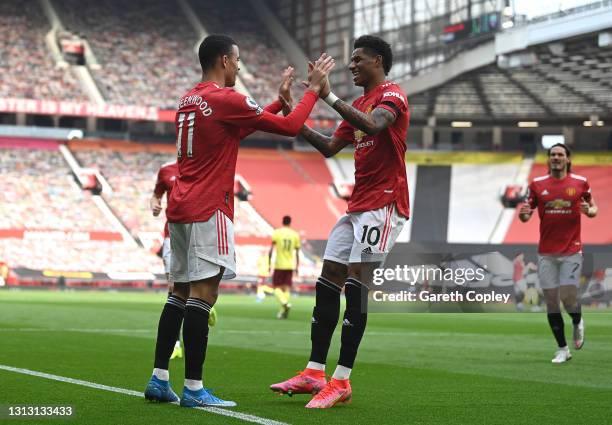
(560,197)
(376,125)
(211,120)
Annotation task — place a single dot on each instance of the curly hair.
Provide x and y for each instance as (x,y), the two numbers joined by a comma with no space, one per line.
(376,46)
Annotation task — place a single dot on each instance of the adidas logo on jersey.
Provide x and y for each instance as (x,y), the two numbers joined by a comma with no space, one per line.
(313,320)
(346,322)
(545,192)
(367,250)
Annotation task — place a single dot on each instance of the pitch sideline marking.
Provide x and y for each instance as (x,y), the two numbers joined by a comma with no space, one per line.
(216,410)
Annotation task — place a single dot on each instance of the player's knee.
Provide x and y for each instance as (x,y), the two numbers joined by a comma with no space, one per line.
(181,290)
(553,307)
(334,272)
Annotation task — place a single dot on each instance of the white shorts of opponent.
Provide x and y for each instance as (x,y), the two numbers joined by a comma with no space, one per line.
(364,237)
(200,249)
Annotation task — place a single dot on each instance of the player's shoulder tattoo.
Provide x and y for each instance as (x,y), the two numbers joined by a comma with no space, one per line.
(383,115)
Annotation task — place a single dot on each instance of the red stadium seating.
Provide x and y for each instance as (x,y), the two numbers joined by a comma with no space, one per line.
(296,184)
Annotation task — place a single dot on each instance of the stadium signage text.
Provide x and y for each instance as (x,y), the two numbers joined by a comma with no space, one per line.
(78,109)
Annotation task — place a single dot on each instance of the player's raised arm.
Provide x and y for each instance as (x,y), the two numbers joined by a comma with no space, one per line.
(284,94)
(371,124)
(328,146)
(291,124)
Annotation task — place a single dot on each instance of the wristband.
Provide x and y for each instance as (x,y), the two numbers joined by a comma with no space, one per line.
(330,99)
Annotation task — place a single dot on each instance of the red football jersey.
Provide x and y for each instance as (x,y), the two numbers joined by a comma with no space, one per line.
(166,176)
(518,267)
(210,122)
(380,168)
(558,202)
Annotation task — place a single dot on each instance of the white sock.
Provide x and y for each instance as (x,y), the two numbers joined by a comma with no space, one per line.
(342,372)
(178,344)
(193,385)
(315,366)
(162,374)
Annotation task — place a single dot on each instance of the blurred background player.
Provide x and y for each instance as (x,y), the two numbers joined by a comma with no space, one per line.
(211,120)
(263,274)
(165,180)
(286,241)
(376,124)
(519,277)
(561,197)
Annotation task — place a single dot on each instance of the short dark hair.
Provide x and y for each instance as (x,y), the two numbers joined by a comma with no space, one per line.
(568,153)
(212,47)
(286,220)
(376,46)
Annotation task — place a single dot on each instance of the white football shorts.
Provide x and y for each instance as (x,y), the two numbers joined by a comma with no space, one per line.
(200,249)
(364,237)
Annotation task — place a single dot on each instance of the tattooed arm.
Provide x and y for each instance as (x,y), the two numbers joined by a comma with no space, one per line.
(328,146)
(372,123)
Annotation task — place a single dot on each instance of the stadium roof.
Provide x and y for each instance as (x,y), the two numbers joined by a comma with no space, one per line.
(567,80)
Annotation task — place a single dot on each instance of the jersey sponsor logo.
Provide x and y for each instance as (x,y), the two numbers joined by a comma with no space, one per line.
(364,144)
(359,135)
(393,94)
(558,206)
(251,104)
(570,191)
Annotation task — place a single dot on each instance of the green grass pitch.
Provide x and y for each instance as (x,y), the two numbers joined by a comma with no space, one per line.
(411,368)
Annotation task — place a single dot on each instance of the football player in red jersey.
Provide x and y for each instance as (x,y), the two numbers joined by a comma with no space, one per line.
(165,180)
(166,176)
(560,197)
(211,120)
(376,125)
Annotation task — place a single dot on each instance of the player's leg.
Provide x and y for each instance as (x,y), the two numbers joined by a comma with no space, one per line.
(208,259)
(171,318)
(286,291)
(325,313)
(177,352)
(375,233)
(202,297)
(548,274)
(569,277)
(279,282)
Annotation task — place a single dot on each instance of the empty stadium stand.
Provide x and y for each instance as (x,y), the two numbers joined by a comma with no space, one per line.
(145,49)
(292,183)
(27,67)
